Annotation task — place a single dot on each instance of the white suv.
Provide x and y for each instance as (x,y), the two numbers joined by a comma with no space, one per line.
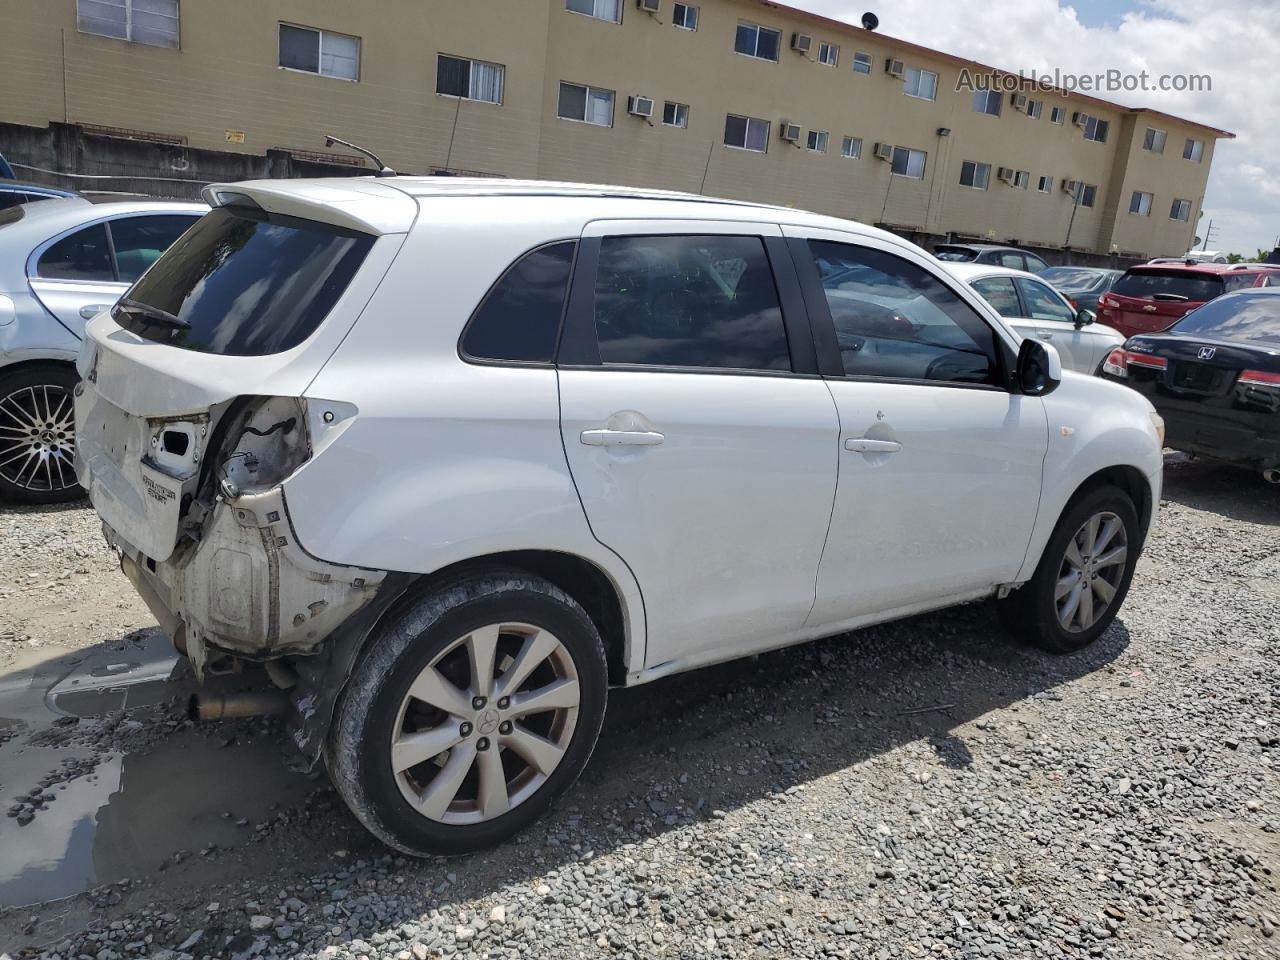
(452,457)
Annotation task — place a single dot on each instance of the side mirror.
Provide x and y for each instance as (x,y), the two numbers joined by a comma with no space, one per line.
(1085,317)
(1039,368)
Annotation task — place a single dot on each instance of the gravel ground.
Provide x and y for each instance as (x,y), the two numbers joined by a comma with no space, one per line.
(922,789)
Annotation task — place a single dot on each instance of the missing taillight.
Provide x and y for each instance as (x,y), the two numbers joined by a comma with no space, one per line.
(175,442)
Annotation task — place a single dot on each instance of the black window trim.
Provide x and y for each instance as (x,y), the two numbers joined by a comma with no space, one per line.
(564,309)
(579,348)
(824,327)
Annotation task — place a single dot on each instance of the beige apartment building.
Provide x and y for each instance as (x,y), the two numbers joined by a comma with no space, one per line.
(736,98)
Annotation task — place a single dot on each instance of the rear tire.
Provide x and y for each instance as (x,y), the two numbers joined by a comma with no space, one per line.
(37,434)
(1083,575)
(471,712)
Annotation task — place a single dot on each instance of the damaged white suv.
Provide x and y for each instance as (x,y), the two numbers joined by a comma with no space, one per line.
(451,457)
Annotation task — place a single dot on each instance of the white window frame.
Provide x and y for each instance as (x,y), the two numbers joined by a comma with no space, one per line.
(758,28)
(677,113)
(595,5)
(1091,128)
(1195,148)
(471,80)
(1158,140)
(911,154)
(1180,206)
(687,8)
(768,128)
(1034,108)
(1022,178)
(1088,195)
(919,74)
(1044,184)
(319,70)
(863,60)
(851,148)
(829,54)
(1058,115)
(128,25)
(992,96)
(979,168)
(613,103)
(1144,201)
(817,140)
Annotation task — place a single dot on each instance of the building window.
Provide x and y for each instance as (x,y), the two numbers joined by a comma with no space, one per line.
(757,41)
(586,104)
(817,141)
(851,148)
(908,163)
(987,101)
(1096,130)
(976,175)
(862,63)
(1022,179)
(921,83)
(1034,108)
(600,9)
(1086,194)
(1193,150)
(1058,115)
(1140,203)
(746,133)
(675,114)
(1045,185)
(153,22)
(1181,210)
(469,79)
(829,53)
(319,51)
(684,16)
(1154,140)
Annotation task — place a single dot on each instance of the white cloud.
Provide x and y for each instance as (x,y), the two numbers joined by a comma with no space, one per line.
(1235,42)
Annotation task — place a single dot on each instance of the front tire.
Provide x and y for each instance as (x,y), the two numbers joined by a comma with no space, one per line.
(471,712)
(37,434)
(1083,575)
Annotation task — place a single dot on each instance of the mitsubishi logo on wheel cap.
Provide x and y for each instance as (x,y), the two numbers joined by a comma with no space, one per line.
(1206,353)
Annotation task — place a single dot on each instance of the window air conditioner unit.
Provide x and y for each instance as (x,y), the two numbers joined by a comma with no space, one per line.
(790,131)
(649,6)
(1070,186)
(884,151)
(801,42)
(1005,174)
(894,68)
(1020,101)
(1079,119)
(640,107)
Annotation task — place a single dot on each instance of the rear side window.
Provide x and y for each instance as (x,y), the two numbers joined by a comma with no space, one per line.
(689,301)
(11,198)
(1169,284)
(519,320)
(897,321)
(243,282)
(139,241)
(83,255)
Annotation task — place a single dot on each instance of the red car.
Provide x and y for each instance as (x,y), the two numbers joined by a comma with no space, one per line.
(1150,298)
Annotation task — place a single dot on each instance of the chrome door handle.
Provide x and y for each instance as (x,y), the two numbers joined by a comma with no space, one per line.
(93,309)
(622,438)
(863,445)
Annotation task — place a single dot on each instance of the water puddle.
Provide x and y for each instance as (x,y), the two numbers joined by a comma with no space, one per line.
(103,781)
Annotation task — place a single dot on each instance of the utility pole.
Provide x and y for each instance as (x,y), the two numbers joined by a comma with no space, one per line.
(1208,233)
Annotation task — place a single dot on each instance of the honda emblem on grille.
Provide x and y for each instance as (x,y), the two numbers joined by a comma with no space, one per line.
(1206,353)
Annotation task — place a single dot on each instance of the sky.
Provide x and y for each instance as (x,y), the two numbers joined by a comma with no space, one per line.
(1235,42)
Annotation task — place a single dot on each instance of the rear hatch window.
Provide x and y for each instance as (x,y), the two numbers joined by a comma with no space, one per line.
(243,282)
(955,254)
(1182,285)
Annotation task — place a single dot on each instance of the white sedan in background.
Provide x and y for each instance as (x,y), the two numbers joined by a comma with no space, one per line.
(1035,309)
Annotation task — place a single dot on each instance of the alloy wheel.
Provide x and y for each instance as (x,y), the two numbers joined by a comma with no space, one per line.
(37,438)
(485,723)
(1091,571)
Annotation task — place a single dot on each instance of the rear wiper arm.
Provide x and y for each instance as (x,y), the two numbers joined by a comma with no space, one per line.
(152,313)
(1175,297)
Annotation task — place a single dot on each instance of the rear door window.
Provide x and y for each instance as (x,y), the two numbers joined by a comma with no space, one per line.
(83,255)
(519,319)
(999,292)
(689,301)
(139,241)
(1169,284)
(243,282)
(1043,303)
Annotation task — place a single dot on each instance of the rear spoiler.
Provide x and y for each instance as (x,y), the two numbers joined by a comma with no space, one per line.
(357,203)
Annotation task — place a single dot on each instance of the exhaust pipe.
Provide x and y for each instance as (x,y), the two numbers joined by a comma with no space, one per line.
(228,706)
(1272,475)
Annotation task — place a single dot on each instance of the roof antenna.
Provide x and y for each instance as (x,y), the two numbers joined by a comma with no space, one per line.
(383,169)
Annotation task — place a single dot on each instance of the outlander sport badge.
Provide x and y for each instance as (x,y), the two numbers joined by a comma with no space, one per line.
(1206,353)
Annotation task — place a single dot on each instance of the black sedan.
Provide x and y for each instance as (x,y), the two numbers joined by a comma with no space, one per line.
(1215,378)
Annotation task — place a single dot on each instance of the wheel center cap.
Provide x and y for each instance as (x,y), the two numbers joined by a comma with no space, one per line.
(488,721)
